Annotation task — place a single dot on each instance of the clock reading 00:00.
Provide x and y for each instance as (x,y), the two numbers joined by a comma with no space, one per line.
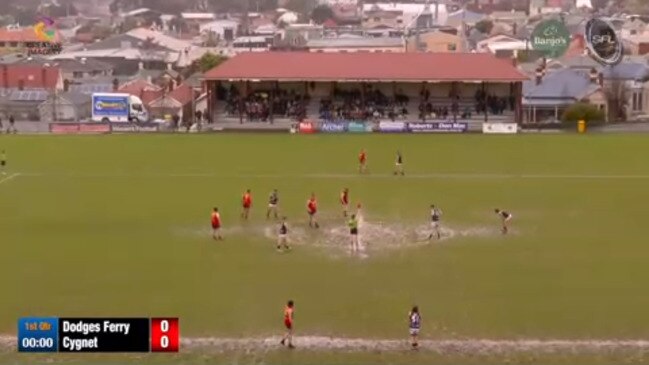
(34,343)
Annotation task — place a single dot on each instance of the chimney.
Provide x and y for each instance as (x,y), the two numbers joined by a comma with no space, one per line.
(21,84)
(515,28)
(515,61)
(44,76)
(539,76)
(66,85)
(600,79)
(593,75)
(5,76)
(140,66)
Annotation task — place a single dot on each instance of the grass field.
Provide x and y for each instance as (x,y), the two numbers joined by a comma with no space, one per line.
(119,226)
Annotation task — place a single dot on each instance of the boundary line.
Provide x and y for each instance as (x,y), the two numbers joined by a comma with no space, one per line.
(10,177)
(448,176)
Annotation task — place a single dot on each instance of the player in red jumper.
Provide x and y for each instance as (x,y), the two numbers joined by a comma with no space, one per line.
(288,323)
(362,162)
(312,210)
(344,201)
(216,224)
(246,201)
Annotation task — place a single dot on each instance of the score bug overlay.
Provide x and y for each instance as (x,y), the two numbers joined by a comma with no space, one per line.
(165,335)
(52,334)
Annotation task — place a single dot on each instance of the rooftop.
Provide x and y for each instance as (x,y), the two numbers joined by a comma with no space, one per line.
(387,67)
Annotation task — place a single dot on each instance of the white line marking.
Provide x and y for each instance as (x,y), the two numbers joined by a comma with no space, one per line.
(465,346)
(10,177)
(460,175)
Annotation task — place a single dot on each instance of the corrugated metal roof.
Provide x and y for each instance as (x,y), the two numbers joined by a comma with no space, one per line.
(408,67)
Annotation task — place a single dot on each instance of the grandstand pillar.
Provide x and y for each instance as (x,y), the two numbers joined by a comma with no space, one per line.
(484,102)
(363,86)
(211,105)
(518,97)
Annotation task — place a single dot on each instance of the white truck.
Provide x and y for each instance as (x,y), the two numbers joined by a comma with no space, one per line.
(118,108)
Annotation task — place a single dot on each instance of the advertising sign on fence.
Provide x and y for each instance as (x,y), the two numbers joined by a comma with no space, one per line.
(306,127)
(76,128)
(331,127)
(438,127)
(392,127)
(134,127)
(359,127)
(499,128)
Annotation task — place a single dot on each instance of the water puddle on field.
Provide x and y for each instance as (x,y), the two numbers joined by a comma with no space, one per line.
(333,237)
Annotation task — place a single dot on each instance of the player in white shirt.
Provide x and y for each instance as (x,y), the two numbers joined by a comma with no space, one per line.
(435,220)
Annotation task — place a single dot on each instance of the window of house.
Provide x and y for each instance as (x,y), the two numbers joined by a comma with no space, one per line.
(3,44)
(77,74)
(13,44)
(399,21)
(451,47)
(637,101)
(377,19)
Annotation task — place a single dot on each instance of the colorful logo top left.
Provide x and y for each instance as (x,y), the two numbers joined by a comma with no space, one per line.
(44,29)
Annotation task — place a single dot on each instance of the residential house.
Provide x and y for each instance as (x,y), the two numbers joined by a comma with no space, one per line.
(346,43)
(74,69)
(637,44)
(412,11)
(151,47)
(633,27)
(296,36)
(347,14)
(225,29)
(379,18)
(547,96)
(486,44)
(436,42)
(543,7)
(631,81)
(30,77)
(22,104)
(65,107)
(461,18)
(509,17)
(24,40)
(177,101)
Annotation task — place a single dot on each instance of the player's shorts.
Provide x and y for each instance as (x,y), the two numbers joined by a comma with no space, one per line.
(312,213)
(288,324)
(246,206)
(281,237)
(397,164)
(216,226)
(272,206)
(414,331)
(353,231)
(434,224)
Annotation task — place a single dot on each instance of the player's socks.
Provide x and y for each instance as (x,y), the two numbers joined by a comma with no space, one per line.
(282,342)
(290,346)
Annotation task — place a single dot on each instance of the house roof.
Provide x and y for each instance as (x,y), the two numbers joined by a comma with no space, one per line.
(627,71)
(23,35)
(360,42)
(34,77)
(466,16)
(414,67)
(137,86)
(183,94)
(70,65)
(561,84)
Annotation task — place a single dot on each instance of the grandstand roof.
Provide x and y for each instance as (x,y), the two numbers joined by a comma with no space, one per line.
(386,67)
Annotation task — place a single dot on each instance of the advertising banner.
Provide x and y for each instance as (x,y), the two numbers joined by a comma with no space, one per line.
(392,127)
(64,128)
(134,127)
(332,127)
(306,127)
(438,127)
(359,127)
(499,128)
(94,128)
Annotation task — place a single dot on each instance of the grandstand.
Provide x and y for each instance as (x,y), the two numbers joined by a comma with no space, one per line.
(269,86)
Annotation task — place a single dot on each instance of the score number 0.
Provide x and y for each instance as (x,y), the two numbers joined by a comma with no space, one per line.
(164,335)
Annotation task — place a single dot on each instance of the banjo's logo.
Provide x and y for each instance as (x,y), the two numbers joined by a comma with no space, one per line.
(551,38)
(603,43)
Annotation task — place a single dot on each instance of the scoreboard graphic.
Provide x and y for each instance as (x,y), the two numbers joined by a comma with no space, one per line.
(53,334)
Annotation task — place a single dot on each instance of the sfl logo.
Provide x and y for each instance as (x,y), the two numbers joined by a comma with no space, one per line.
(603,43)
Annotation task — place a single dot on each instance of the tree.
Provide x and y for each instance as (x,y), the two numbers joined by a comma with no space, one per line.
(582,111)
(321,14)
(208,61)
(617,96)
(484,26)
